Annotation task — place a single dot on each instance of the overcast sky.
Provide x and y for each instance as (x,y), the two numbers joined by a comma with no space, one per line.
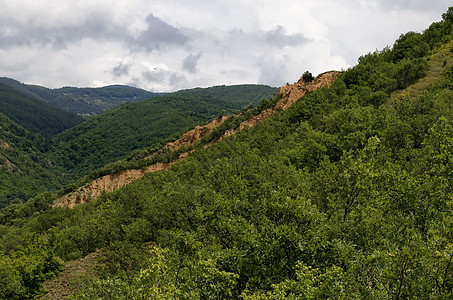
(167,45)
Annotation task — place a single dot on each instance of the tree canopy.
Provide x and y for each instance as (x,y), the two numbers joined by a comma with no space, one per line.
(345,195)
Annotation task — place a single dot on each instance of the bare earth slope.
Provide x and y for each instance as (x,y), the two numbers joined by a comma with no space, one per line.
(288,94)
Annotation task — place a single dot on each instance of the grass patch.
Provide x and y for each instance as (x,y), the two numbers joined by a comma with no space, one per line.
(438,63)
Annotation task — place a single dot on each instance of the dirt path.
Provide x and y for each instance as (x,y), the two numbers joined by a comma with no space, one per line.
(69,280)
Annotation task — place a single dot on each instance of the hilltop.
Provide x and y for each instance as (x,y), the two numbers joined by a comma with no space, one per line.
(345,194)
(85,102)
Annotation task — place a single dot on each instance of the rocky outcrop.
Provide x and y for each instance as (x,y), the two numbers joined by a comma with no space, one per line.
(195,134)
(287,95)
(107,183)
(4,145)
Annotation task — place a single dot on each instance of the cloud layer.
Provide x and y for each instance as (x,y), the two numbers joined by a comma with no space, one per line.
(170,45)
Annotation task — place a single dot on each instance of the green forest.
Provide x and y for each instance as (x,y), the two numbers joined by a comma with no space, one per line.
(114,134)
(84,102)
(43,147)
(348,194)
(34,114)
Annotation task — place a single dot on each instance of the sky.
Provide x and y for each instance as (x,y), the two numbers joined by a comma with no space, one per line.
(168,45)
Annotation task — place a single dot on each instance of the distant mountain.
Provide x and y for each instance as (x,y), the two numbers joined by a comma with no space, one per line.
(33,113)
(344,194)
(93,101)
(231,97)
(117,132)
(34,159)
(83,101)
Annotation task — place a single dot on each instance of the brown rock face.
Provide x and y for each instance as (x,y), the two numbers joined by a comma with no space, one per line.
(107,183)
(288,94)
(194,135)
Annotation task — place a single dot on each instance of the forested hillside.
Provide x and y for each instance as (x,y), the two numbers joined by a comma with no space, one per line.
(347,194)
(35,160)
(82,101)
(117,132)
(35,114)
(24,169)
(93,101)
(26,127)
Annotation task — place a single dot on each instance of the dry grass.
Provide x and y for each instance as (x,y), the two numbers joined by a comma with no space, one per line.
(71,279)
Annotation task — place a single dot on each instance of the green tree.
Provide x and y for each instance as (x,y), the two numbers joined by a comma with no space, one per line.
(307,76)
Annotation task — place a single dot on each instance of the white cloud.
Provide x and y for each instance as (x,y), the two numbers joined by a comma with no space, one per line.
(165,45)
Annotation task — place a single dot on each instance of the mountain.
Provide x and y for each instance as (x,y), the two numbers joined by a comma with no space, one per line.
(117,132)
(345,194)
(27,125)
(93,101)
(35,160)
(120,173)
(34,114)
(83,101)
(24,170)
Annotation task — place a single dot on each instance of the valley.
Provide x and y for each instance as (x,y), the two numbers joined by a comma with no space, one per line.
(338,186)
(286,96)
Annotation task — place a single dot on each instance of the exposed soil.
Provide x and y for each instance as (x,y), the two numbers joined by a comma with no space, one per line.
(107,183)
(9,165)
(194,135)
(4,145)
(290,93)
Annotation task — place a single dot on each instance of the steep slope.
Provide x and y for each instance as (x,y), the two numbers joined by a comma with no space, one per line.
(35,114)
(287,95)
(115,133)
(26,126)
(347,194)
(24,169)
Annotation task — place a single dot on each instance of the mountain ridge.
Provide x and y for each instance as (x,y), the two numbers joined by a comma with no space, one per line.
(346,194)
(80,100)
(286,96)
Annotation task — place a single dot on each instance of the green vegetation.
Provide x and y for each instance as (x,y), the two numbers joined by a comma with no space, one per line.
(114,134)
(93,101)
(26,127)
(24,169)
(307,76)
(345,195)
(32,161)
(34,114)
(82,101)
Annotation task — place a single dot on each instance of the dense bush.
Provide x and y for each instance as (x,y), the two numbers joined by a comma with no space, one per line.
(347,194)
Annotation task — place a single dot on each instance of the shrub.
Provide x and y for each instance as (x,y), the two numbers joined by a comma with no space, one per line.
(307,76)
